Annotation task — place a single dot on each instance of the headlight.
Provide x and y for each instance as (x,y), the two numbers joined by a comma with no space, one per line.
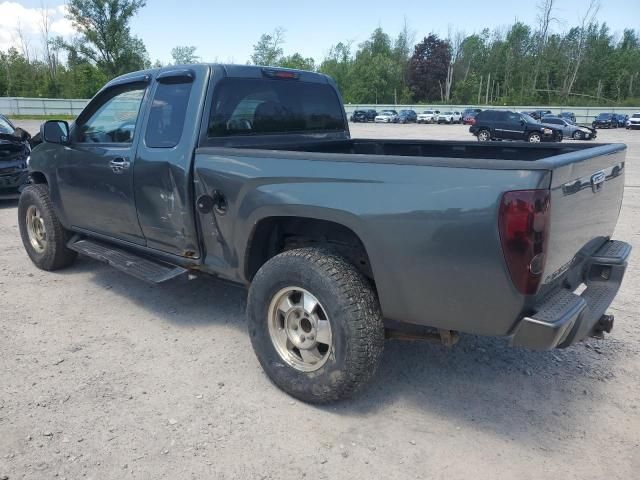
(547,131)
(28,160)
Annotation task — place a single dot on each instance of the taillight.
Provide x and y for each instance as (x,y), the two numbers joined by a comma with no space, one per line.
(524,229)
(281,74)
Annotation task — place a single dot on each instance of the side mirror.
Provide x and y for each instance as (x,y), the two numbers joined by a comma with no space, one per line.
(22,134)
(55,131)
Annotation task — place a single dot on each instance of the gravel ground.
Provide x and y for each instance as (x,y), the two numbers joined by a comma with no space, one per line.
(105,377)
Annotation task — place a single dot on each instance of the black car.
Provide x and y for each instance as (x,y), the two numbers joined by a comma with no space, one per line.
(606,120)
(509,125)
(407,116)
(14,154)
(363,116)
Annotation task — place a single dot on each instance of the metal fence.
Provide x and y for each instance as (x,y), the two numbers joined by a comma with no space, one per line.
(59,106)
(41,106)
(583,114)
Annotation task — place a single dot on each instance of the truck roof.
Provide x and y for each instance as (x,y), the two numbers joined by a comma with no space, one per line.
(230,70)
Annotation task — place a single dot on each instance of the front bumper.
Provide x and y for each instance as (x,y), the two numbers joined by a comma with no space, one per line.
(563,317)
(11,184)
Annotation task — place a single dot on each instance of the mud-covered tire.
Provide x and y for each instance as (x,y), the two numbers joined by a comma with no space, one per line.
(352,309)
(54,253)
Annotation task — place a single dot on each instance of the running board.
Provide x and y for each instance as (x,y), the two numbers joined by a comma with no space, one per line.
(137,266)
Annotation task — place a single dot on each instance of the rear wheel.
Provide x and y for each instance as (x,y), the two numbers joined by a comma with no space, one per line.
(43,236)
(484,136)
(315,325)
(535,137)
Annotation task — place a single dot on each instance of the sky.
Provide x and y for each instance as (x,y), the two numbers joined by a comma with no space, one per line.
(226,31)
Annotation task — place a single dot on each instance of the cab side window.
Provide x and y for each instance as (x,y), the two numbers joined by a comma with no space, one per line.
(167,115)
(513,117)
(114,117)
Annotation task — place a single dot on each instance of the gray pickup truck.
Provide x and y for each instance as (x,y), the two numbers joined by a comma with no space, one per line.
(250,174)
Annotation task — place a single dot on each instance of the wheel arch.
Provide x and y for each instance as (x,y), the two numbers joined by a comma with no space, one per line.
(273,234)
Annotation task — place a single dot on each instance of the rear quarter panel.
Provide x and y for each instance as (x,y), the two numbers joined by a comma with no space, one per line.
(430,231)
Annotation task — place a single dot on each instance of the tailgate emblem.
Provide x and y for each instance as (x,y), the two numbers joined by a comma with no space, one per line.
(597,181)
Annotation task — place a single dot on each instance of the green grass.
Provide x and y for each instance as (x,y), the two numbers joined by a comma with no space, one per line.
(42,117)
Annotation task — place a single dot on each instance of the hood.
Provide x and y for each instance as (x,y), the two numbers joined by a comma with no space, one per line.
(12,148)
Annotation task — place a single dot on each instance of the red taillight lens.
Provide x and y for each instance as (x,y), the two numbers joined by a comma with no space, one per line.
(282,74)
(524,229)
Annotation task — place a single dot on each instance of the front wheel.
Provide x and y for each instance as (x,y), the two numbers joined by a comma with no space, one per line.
(578,135)
(484,136)
(315,325)
(43,236)
(535,137)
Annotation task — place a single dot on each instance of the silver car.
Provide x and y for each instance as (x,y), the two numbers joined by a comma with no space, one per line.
(569,129)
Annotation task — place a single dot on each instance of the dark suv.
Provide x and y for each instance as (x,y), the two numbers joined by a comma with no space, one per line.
(363,116)
(508,125)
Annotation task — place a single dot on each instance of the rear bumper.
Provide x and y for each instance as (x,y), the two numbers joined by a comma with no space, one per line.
(564,318)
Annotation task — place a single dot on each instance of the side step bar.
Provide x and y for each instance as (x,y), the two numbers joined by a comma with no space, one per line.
(137,266)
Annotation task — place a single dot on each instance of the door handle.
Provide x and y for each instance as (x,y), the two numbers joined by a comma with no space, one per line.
(119,165)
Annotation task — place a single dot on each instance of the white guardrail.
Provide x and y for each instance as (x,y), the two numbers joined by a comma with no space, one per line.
(61,106)
(41,106)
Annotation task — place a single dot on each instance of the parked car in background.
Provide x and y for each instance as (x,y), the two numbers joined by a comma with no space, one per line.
(538,114)
(362,116)
(407,116)
(387,116)
(471,110)
(570,116)
(469,118)
(622,119)
(509,125)
(427,116)
(569,129)
(605,120)
(14,159)
(634,122)
(449,117)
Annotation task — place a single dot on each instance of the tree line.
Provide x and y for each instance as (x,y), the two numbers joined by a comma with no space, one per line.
(519,64)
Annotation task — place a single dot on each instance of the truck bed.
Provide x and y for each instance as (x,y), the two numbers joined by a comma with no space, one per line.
(518,151)
(427,211)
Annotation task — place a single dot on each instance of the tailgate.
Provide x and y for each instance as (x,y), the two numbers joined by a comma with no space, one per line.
(586,196)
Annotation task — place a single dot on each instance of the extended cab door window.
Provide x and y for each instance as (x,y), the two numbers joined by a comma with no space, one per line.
(167,114)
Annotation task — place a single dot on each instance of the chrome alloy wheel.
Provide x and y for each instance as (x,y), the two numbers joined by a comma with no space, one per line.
(35,229)
(299,329)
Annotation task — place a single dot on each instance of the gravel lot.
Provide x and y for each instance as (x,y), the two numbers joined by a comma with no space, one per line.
(105,377)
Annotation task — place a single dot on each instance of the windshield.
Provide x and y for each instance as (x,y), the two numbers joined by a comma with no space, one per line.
(528,118)
(428,112)
(388,112)
(448,113)
(635,115)
(248,106)
(604,116)
(5,126)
